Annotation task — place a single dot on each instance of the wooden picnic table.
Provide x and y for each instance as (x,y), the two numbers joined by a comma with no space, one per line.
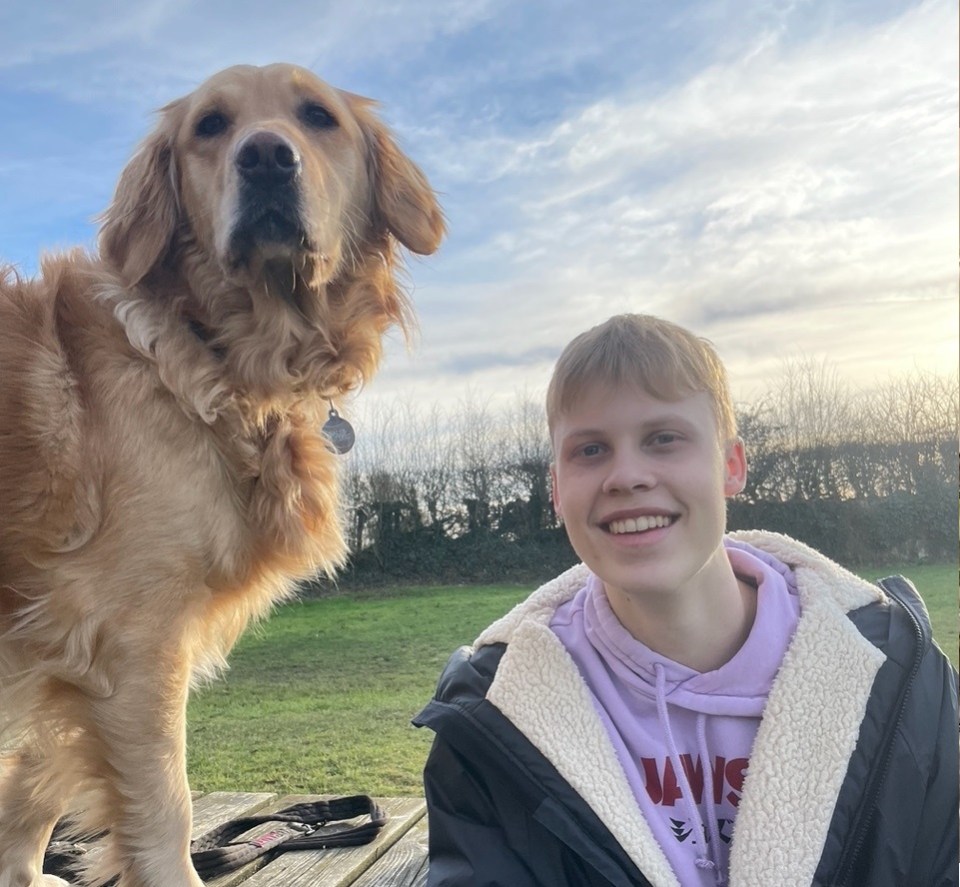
(397,858)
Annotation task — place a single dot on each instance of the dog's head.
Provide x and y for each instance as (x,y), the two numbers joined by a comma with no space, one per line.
(274,182)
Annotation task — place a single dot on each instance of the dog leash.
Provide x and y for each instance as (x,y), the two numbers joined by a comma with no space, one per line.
(305,826)
(300,827)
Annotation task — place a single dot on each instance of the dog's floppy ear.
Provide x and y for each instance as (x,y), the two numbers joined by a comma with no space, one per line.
(138,226)
(405,202)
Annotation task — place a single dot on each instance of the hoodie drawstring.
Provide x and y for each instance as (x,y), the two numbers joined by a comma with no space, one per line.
(708,793)
(704,860)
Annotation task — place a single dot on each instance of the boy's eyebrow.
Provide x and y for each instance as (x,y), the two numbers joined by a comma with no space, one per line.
(584,432)
(654,421)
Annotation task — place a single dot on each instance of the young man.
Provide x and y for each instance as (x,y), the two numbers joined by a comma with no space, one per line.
(684,707)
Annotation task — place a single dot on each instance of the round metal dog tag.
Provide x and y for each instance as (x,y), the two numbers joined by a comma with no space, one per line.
(339,431)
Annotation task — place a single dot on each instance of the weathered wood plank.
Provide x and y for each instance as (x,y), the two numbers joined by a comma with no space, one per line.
(403,865)
(216,808)
(339,867)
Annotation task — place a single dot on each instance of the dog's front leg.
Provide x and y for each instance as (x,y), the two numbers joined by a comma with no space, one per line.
(142,732)
(32,795)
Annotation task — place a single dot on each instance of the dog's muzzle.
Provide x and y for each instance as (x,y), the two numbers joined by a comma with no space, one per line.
(269,172)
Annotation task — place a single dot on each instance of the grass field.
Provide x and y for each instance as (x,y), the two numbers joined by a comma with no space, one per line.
(319,698)
(938,585)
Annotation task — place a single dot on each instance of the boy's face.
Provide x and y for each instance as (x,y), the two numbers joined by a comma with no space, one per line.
(641,485)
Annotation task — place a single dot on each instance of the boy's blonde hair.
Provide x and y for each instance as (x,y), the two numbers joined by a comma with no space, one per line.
(666,361)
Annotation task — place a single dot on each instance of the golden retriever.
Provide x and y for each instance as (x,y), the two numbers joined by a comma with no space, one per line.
(163,473)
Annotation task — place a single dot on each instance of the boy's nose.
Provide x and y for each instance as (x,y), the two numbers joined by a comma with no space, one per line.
(629,473)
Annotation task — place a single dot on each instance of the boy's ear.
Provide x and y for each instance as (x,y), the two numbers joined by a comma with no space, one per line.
(554,497)
(734,468)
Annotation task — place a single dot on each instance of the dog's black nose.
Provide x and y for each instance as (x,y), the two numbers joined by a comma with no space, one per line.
(265,158)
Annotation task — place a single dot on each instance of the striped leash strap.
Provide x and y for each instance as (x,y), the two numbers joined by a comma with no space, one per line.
(298,827)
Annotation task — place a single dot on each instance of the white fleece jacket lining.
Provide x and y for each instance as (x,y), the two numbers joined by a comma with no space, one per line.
(539,688)
(800,755)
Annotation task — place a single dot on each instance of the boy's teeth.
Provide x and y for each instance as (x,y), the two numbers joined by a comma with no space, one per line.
(639,524)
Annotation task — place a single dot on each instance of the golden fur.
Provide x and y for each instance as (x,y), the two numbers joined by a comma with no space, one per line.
(163,478)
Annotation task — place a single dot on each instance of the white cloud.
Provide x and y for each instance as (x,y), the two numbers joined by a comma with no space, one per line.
(776,175)
(798,198)
(156,49)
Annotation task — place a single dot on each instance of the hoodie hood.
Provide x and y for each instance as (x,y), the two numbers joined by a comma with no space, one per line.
(740,686)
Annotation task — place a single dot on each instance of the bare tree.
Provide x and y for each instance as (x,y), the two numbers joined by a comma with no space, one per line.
(380,478)
(478,462)
(431,451)
(527,465)
(810,410)
(913,420)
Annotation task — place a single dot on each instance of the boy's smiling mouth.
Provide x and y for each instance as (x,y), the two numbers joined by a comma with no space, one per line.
(639,524)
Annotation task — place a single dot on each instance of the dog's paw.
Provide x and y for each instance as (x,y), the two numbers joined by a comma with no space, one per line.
(19,878)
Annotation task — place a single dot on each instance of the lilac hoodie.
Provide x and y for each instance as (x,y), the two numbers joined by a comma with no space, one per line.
(684,737)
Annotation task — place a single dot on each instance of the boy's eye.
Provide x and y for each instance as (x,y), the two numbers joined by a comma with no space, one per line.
(590,450)
(664,438)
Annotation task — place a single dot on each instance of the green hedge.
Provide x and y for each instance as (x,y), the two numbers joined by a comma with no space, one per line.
(907,529)
(900,528)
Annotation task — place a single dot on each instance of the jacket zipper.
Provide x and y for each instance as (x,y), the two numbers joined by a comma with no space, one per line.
(868,809)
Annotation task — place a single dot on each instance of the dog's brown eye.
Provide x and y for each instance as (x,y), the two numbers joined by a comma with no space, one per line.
(211,124)
(317,116)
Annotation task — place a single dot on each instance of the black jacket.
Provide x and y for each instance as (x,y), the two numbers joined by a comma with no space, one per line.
(852,782)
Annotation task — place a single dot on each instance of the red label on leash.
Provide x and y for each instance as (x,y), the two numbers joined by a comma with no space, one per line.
(269,838)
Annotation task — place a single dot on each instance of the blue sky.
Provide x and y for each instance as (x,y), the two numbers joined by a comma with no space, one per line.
(779,175)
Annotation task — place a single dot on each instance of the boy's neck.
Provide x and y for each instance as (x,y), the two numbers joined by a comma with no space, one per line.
(702,628)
